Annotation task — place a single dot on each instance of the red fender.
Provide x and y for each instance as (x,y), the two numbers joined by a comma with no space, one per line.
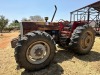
(75,24)
(61,26)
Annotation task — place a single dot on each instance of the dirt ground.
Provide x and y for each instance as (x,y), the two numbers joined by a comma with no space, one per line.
(65,62)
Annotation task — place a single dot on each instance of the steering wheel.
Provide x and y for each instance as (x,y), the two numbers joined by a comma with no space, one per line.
(61,20)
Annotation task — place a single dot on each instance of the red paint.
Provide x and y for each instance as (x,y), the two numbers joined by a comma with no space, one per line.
(61,26)
(75,24)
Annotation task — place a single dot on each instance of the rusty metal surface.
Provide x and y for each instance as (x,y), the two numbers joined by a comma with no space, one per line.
(31,26)
(95,5)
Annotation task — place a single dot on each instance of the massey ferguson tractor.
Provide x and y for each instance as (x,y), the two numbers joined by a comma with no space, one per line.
(35,46)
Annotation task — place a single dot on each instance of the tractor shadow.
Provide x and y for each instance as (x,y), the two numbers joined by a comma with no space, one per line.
(54,68)
(91,57)
(63,55)
(98,35)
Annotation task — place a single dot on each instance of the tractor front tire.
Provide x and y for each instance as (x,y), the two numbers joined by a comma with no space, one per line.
(82,39)
(36,51)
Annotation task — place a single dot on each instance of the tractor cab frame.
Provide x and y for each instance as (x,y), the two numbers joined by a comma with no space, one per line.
(89,14)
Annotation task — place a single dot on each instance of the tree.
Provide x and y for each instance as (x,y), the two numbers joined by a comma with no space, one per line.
(14,24)
(8,29)
(25,19)
(3,22)
(36,18)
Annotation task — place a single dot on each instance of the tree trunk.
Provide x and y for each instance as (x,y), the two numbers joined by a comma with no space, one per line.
(1,33)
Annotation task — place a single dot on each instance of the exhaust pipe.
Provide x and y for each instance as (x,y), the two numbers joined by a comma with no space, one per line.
(54,13)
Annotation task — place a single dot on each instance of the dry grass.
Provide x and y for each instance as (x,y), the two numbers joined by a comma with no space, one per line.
(65,62)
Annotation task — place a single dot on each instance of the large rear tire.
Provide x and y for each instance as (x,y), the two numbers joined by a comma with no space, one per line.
(36,52)
(82,39)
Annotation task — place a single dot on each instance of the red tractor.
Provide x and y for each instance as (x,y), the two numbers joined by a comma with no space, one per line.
(35,46)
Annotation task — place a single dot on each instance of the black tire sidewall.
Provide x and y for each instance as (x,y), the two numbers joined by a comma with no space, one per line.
(81,50)
(75,42)
(22,54)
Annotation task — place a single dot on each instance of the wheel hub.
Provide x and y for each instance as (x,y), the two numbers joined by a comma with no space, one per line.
(86,40)
(37,51)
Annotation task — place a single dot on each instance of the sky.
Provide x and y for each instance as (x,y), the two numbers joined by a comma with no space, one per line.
(18,9)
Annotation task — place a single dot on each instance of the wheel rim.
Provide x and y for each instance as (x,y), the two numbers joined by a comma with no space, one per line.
(38,52)
(86,40)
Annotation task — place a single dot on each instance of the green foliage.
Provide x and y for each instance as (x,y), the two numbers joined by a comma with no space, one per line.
(14,25)
(25,19)
(8,29)
(3,22)
(36,18)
